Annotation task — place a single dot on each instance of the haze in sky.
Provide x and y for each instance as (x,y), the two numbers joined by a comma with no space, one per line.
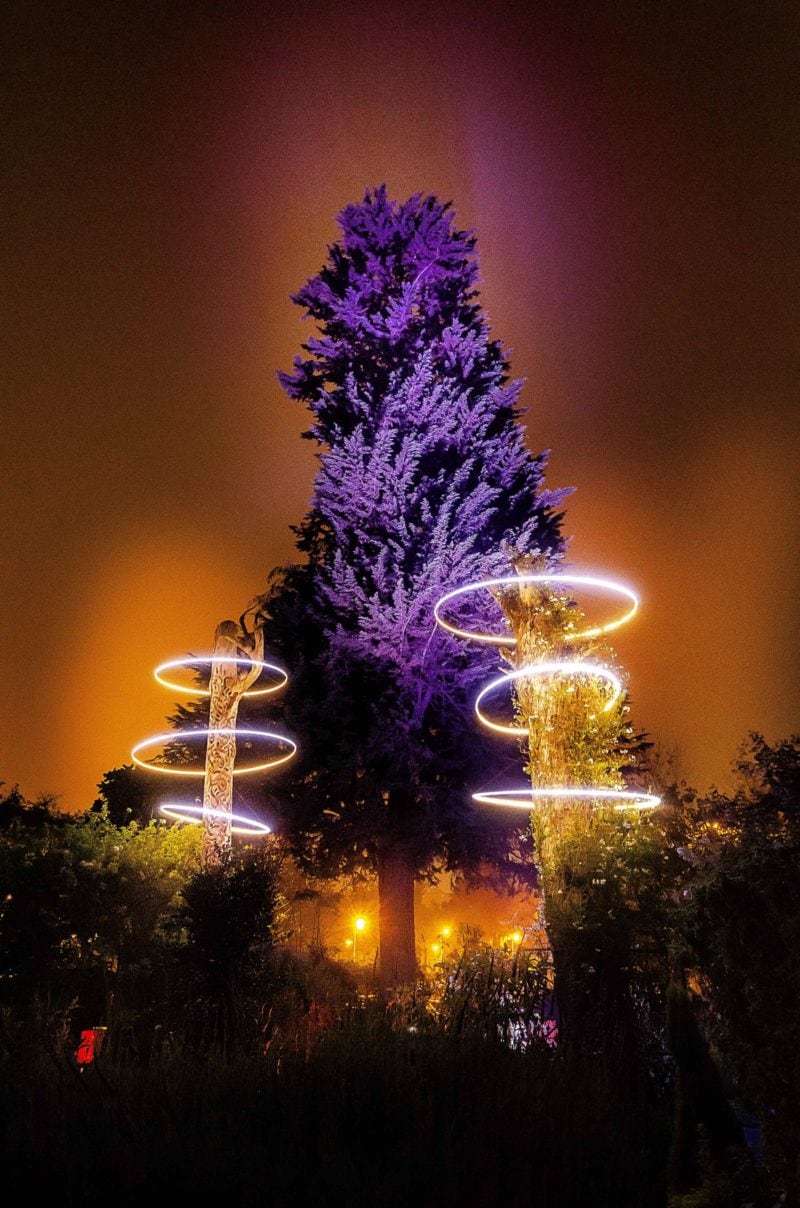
(173,176)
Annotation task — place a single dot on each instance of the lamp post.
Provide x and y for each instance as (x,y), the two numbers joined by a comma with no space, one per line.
(359,924)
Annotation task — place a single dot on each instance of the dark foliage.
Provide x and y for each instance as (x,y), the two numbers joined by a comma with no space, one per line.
(89,919)
(226,1053)
(739,923)
(231,920)
(128,794)
(369,1114)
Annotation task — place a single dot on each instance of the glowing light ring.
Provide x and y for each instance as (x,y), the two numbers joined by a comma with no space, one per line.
(527,798)
(208,660)
(175,735)
(236,824)
(507,639)
(563,667)
(240,825)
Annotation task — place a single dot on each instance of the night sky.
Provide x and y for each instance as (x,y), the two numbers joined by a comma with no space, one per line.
(173,175)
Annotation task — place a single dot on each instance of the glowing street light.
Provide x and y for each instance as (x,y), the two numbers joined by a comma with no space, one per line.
(359,925)
(511,941)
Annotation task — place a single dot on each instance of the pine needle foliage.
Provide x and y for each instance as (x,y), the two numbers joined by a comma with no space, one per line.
(425,481)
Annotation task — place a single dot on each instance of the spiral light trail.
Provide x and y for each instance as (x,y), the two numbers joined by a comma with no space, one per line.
(240,824)
(530,796)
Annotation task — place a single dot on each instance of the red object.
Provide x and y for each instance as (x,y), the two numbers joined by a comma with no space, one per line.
(89,1047)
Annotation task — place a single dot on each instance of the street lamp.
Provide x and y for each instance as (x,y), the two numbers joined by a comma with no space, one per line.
(512,940)
(359,924)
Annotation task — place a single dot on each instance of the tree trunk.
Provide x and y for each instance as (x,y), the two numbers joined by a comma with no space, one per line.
(230,679)
(220,757)
(397,962)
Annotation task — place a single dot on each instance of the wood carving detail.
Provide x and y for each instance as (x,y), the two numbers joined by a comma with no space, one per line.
(229,680)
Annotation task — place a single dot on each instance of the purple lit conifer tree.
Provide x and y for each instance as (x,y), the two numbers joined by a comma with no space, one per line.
(424,483)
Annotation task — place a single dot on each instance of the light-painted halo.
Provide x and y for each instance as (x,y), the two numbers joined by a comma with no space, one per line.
(569,580)
(208,660)
(563,667)
(527,798)
(240,825)
(175,735)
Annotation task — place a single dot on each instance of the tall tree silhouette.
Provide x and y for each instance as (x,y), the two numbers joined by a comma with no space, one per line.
(425,481)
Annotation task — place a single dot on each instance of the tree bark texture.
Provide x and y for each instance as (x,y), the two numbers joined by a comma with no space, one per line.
(589,985)
(229,680)
(397,959)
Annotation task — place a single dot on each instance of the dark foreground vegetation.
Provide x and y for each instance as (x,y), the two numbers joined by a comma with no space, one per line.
(369,1113)
(233,1066)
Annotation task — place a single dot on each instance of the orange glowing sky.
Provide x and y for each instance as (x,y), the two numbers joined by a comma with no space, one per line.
(173,176)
